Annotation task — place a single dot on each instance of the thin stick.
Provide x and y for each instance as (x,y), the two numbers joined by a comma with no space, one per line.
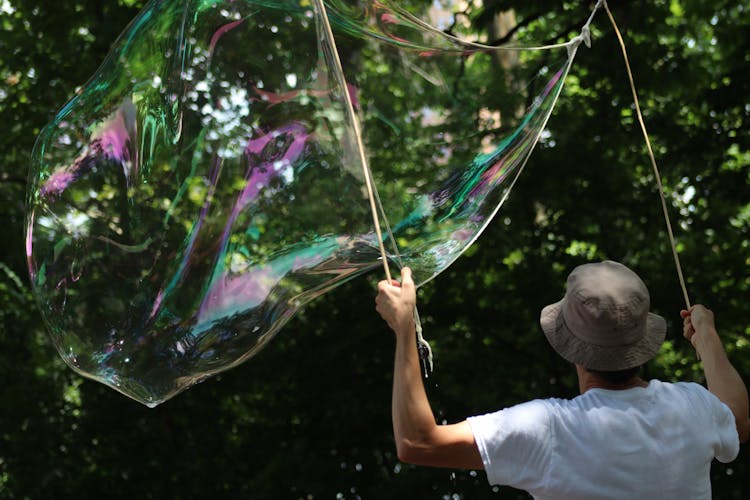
(360,143)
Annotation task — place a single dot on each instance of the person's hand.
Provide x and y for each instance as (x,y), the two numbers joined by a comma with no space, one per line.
(698,323)
(395,302)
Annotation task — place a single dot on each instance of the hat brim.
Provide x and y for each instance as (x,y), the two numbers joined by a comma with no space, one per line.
(596,357)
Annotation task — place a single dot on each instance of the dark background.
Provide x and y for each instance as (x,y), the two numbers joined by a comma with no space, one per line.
(310,416)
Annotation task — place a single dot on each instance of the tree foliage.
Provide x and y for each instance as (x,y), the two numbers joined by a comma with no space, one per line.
(310,416)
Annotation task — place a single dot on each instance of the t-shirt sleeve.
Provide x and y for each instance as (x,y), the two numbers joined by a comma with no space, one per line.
(727,445)
(729,441)
(515,444)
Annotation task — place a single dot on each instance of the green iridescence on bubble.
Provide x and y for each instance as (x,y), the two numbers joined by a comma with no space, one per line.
(206,183)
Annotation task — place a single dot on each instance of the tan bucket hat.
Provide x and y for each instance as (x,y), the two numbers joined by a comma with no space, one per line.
(603,322)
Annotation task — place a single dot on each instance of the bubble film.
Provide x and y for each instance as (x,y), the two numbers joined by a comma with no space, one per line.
(206,183)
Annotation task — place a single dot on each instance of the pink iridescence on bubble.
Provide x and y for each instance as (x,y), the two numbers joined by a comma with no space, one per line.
(206,183)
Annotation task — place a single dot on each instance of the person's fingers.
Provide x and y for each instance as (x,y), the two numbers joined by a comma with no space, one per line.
(702,316)
(703,310)
(384,286)
(684,313)
(688,333)
(406,279)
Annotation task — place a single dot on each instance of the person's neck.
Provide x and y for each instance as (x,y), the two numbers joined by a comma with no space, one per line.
(588,380)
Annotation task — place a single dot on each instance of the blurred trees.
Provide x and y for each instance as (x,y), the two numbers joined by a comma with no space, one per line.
(309,417)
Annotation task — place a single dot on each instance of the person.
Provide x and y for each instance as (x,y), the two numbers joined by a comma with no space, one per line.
(622,437)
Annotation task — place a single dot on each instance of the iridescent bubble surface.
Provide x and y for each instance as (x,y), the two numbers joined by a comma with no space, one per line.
(206,183)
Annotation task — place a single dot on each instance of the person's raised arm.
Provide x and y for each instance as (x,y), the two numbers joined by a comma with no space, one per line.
(419,439)
(721,377)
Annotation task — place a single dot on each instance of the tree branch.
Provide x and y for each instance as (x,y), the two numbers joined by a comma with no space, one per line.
(525,22)
(465,13)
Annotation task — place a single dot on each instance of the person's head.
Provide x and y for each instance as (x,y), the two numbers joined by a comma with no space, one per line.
(603,323)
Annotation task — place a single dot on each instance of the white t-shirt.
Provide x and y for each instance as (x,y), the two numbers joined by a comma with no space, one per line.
(645,443)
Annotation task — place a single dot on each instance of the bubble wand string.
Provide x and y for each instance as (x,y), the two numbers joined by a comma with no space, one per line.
(425,351)
(328,33)
(651,156)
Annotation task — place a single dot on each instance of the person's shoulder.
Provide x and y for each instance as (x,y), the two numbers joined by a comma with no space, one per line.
(529,413)
(532,407)
(691,391)
(561,406)
(660,385)
(692,388)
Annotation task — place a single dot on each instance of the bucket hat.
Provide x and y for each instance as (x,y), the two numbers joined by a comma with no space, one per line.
(603,321)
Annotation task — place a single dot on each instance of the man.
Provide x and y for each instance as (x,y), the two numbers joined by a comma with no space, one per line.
(623,437)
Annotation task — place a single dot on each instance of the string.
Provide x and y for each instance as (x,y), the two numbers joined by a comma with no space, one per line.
(355,124)
(423,346)
(425,351)
(653,160)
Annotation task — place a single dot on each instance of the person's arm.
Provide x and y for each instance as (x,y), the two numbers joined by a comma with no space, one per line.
(419,440)
(721,377)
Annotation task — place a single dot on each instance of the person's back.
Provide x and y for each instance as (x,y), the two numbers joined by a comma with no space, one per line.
(645,442)
(623,438)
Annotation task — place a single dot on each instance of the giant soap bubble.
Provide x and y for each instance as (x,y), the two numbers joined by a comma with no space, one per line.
(206,183)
